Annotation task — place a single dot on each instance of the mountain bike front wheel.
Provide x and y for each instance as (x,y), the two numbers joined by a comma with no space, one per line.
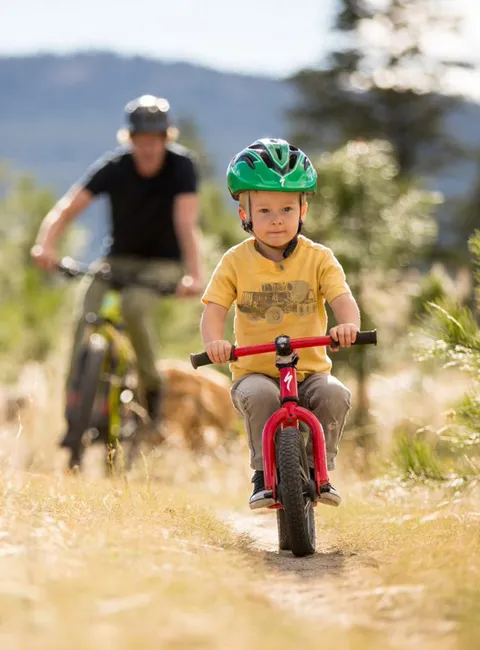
(93,363)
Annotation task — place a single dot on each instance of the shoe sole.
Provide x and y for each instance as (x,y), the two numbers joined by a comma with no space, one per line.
(262,503)
(326,501)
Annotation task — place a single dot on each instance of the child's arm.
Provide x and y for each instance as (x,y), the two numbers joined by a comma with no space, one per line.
(347,315)
(212,328)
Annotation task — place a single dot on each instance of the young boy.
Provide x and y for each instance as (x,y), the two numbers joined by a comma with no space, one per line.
(279,281)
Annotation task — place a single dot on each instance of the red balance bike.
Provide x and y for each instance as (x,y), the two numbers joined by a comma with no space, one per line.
(285,464)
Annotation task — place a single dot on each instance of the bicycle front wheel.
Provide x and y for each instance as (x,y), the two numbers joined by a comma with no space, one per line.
(298,521)
(93,362)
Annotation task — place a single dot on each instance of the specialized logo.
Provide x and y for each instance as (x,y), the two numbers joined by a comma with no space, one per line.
(288,379)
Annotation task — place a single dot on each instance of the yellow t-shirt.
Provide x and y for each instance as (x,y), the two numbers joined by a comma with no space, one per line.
(273,298)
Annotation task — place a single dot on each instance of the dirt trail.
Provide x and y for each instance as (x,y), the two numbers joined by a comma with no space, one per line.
(304,584)
(338,588)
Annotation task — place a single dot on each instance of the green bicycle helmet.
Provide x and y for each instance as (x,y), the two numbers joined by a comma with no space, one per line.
(271,165)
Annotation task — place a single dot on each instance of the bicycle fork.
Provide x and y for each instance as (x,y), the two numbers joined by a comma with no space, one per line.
(291,414)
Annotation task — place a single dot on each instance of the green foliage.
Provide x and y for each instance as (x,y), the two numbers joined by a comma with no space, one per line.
(372,218)
(449,330)
(450,333)
(454,334)
(377,223)
(30,305)
(178,327)
(431,289)
(414,457)
(467,413)
(221,226)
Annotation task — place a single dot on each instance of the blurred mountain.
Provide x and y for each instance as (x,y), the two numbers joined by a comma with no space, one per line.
(59,113)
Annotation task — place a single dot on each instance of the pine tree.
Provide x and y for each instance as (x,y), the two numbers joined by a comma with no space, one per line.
(382,83)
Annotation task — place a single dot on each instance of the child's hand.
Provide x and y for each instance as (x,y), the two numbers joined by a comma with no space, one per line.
(219,351)
(345,334)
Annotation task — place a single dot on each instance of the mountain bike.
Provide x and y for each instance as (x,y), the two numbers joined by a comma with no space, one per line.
(109,405)
(286,469)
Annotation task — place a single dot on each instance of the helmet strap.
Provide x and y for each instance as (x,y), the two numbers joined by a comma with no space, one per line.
(292,244)
(247,224)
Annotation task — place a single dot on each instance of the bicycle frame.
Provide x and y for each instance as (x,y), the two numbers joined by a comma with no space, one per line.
(112,365)
(108,326)
(290,414)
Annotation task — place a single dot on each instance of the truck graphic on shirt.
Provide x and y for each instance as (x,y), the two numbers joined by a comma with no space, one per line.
(277,299)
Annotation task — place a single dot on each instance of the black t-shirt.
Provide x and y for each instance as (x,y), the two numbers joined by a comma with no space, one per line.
(141,209)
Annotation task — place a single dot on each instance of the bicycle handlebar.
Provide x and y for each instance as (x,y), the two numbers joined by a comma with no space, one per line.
(72,269)
(363,338)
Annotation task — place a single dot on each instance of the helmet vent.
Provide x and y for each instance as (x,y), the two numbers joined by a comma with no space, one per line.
(306,163)
(245,157)
(258,146)
(279,152)
(293,160)
(266,159)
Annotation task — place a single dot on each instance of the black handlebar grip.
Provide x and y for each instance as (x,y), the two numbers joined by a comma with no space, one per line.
(200,359)
(365,338)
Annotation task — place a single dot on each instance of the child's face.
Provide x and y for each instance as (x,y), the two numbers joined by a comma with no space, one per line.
(275,216)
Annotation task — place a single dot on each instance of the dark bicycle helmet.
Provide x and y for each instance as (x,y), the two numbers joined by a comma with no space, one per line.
(147,114)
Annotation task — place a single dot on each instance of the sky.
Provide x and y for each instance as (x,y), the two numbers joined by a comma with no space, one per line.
(274,37)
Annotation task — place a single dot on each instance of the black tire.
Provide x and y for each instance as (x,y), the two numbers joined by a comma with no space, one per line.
(293,473)
(283,535)
(92,364)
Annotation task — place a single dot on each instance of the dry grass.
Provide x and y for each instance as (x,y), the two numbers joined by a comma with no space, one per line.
(416,553)
(149,562)
(87,563)
(93,565)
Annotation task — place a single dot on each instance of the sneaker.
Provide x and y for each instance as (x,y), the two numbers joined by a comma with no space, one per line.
(261,498)
(68,439)
(328,494)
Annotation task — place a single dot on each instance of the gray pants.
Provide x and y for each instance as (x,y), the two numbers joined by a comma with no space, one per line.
(257,397)
(138,309)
